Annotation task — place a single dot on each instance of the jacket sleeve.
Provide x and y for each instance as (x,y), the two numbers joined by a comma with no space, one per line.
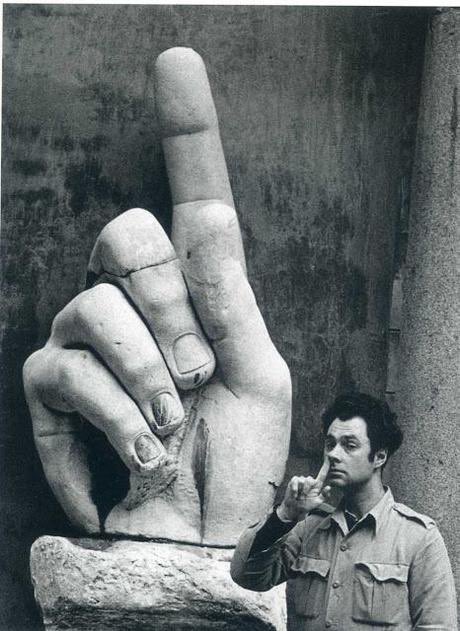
(431,586)
(264,569)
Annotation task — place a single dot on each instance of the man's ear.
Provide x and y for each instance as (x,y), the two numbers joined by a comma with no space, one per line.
(380,458)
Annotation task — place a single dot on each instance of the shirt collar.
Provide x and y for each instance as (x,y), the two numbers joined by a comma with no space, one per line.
(376,514)
(380,510)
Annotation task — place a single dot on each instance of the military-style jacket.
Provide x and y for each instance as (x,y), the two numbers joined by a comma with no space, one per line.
(390,571)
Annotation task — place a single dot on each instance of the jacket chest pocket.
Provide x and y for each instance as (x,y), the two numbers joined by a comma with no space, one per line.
(310,585)
(380,594)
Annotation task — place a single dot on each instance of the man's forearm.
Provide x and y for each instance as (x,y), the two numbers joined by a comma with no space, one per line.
(260,560)
(273,529)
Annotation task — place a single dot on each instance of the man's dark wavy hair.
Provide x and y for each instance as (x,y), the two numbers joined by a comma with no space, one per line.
(382,428)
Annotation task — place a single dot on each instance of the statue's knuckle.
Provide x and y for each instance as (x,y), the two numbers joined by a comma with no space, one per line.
(61,319)
(119,228)
(132,241)
(66,375)
(32,368)
(82,308)
(171,295)
(103,293)
(117,232)
(87,306)
(70,367)
(58,321)
(218,218)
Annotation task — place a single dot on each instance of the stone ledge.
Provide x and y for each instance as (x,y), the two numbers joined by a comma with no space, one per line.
(83,584)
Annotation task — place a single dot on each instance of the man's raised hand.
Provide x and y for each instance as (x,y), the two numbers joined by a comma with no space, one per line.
(304,494)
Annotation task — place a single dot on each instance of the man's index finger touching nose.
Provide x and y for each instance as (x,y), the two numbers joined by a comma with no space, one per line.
(322,474)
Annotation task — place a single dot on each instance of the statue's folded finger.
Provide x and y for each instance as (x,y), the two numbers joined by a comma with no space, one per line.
(75,381)
(64,457)
(65,463)
(134,253)
(103,319)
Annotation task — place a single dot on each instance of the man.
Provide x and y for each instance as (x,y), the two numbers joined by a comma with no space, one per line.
(369,563)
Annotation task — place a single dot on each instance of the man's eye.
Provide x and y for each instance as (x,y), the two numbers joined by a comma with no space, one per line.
(351,446)
(328,445)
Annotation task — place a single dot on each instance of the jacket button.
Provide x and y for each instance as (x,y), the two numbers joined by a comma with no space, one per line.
(335,584)
(344,547)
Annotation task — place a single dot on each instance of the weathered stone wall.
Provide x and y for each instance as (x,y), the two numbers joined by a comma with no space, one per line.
(426,473)
(317,109)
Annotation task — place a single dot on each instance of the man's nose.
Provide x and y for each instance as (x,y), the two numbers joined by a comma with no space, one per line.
(334,454)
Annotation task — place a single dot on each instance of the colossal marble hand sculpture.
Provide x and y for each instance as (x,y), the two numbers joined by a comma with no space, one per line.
(181,375)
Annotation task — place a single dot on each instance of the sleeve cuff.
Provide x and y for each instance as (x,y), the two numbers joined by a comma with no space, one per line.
(271,531)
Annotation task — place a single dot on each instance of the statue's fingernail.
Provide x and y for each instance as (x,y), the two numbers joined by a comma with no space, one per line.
(190,353)
(166,409)
(146,448)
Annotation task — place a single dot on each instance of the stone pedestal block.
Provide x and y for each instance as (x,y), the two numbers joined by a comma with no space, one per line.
(83,584)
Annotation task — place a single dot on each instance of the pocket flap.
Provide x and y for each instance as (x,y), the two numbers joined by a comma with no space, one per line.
(309,564)
(387,571)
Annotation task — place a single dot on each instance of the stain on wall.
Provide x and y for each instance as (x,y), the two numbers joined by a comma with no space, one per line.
(317,109)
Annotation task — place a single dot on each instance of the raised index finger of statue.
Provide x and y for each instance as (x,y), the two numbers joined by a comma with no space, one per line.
(236,426)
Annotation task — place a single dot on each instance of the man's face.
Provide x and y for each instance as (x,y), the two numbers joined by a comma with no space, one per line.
(347,448)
